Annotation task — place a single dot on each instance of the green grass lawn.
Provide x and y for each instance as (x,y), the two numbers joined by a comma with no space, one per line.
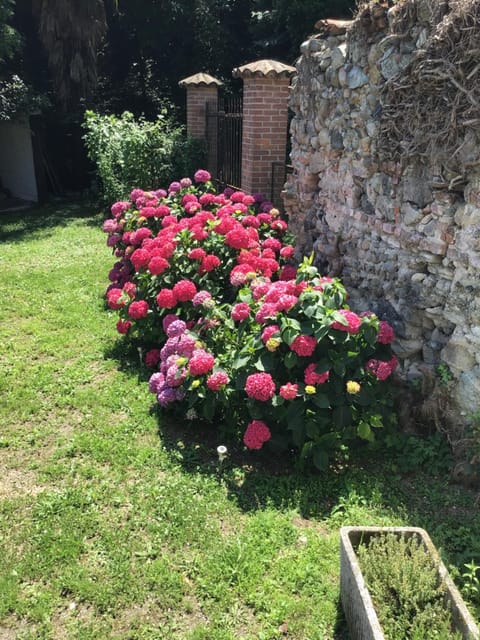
(116,525)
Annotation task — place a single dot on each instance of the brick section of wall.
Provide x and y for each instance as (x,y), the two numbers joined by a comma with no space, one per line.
(265,116)
(197,97)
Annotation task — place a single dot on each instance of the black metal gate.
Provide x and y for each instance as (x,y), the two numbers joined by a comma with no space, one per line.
(224,141)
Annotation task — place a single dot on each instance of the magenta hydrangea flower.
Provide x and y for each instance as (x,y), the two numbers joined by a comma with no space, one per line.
(186,345)
(138,309)
(118,208)
(184,290)
(304,345)
(110,226)
(380,369)
(353,322)
(269,331)
(209,263)
(151,358)
(267,311)
(201,362)
(286,302)
(289,391)
(202,175)
(312,378)
(386,334)
(174,187)
(240,312)
(237,238)
(114,298)
(197,254)
(217,380)
(256,434)
(166,299)
(123,326)
(166,396)
(260,386)
(167,320)
(175,375)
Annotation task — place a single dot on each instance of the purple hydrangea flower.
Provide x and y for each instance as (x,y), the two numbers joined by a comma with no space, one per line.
(174,187)
(156,381)
(176,328)
(166,396)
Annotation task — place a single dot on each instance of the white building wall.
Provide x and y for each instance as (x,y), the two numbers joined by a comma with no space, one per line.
(17,170)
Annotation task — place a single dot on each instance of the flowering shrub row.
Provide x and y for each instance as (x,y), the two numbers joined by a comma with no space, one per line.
(234,331)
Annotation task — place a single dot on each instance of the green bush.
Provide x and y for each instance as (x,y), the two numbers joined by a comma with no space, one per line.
(129,152)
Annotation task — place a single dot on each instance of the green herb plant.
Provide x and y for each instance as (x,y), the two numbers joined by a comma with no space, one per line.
(405,588)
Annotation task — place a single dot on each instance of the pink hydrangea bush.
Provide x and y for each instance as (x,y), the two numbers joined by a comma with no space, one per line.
(172,244)
(234,331)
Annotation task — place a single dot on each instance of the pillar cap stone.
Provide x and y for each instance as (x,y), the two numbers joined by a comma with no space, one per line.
(199,79)
(265,68)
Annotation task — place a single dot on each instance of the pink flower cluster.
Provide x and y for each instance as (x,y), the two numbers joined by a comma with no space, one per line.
(180,360)
(260,386)
(353,322)
(304,345)
(313,378)
(256,435)
(380,369)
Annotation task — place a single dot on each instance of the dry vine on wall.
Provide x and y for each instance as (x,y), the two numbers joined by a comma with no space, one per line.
(432,108)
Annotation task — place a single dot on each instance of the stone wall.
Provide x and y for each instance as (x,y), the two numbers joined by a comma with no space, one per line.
(403,231)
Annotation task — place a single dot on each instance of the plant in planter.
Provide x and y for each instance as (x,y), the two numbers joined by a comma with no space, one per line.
(394,586)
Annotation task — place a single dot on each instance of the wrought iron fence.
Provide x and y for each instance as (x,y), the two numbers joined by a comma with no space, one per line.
(224,141)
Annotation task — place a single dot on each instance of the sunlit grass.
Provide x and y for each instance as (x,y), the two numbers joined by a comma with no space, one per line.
(114,527)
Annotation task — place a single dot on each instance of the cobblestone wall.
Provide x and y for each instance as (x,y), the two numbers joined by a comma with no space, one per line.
(404,237)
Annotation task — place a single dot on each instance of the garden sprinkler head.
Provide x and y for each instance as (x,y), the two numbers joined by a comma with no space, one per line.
(222,453)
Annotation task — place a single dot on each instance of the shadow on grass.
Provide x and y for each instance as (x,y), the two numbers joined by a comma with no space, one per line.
(128,357)
(43,219)
(367,484)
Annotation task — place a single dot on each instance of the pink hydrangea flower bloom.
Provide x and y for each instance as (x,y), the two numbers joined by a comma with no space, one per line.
(260,386)
(201,297)
(256,434)
(353,322)
(201,362)
(269,331)
(184,290)
(304,345)
(380,369)
(266,312)
(313,378)
(123,326)
(386,334)
(166,299)
(152,358)
(240,312)
(202,176)
(289,391)
(138,309)
(217,380)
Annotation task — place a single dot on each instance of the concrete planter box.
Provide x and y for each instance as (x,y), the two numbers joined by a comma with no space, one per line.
(356,601)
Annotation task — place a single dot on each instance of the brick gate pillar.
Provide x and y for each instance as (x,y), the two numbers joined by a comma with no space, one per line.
(265,119)
(202,89)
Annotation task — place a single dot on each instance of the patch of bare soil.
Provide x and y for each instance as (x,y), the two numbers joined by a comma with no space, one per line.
(15,483)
